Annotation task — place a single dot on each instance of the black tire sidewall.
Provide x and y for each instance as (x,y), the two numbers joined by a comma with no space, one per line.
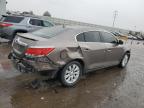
(62,74)
(122,60)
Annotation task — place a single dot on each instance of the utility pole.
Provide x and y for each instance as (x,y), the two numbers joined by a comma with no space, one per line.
(135,28)
(114,19)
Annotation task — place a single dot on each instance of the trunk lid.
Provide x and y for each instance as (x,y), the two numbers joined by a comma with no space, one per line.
(23,41)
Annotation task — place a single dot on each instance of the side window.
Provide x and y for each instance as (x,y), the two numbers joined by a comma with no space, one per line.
(108,38)
(92,36)
(36,22)
(80,38)
(47,24)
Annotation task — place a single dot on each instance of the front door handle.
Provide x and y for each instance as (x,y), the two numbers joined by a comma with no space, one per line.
(29,26)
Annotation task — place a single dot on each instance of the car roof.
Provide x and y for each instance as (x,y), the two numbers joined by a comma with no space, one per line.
(26,16)
(83,28)
(29,16)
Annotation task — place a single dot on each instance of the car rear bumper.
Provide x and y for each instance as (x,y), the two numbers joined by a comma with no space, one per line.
(6,34)
(36,68)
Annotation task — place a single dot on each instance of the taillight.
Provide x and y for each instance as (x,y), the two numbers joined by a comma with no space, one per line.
(5,24)
(38,51)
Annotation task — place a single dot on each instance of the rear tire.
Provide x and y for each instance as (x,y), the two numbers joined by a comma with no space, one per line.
(70,74)
(124,60)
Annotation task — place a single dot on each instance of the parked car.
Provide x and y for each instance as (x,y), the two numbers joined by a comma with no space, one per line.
(120,36)
(139,37)
(68,52)
(132,37)
(10,25)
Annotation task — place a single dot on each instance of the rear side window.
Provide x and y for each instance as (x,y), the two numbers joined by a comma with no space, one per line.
(80,38)
(36,22)
(12,19)
(92,36)
(108,38)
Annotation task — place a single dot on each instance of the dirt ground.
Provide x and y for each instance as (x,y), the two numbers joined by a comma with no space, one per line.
(107,88)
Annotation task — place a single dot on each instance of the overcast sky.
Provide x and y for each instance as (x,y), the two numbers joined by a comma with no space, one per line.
(130,12)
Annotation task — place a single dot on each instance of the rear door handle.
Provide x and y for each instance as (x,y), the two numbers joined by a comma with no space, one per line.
(86,49)
(109,50)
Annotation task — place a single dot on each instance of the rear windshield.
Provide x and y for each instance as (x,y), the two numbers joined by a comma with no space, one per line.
(12,19)
(49,32)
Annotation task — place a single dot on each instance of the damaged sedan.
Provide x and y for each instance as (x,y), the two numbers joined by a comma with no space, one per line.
(67,52)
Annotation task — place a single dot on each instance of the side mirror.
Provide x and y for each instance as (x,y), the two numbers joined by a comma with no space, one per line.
(120,42)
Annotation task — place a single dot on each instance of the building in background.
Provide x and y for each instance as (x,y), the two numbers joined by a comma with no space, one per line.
(2,7)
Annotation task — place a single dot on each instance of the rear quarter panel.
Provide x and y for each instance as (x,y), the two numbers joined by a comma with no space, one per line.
(66,49)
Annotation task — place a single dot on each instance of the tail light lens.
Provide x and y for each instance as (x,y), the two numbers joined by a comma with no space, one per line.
(38,51)
(5,24)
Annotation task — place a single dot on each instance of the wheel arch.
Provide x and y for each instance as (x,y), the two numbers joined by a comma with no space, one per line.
(78,60)
(128,52)
(20,31)
(82,63)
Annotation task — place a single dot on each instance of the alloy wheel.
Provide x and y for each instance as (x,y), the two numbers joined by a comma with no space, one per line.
(72,73)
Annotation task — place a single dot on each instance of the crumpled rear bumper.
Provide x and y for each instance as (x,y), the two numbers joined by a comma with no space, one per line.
(44,69)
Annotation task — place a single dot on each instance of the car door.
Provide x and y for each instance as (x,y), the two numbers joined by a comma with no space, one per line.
(114,51)
(92,48)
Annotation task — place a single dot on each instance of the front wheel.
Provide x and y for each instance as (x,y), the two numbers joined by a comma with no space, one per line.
(124,60)
(70,74)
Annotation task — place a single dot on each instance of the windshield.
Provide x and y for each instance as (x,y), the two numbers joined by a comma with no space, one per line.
(49,32)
